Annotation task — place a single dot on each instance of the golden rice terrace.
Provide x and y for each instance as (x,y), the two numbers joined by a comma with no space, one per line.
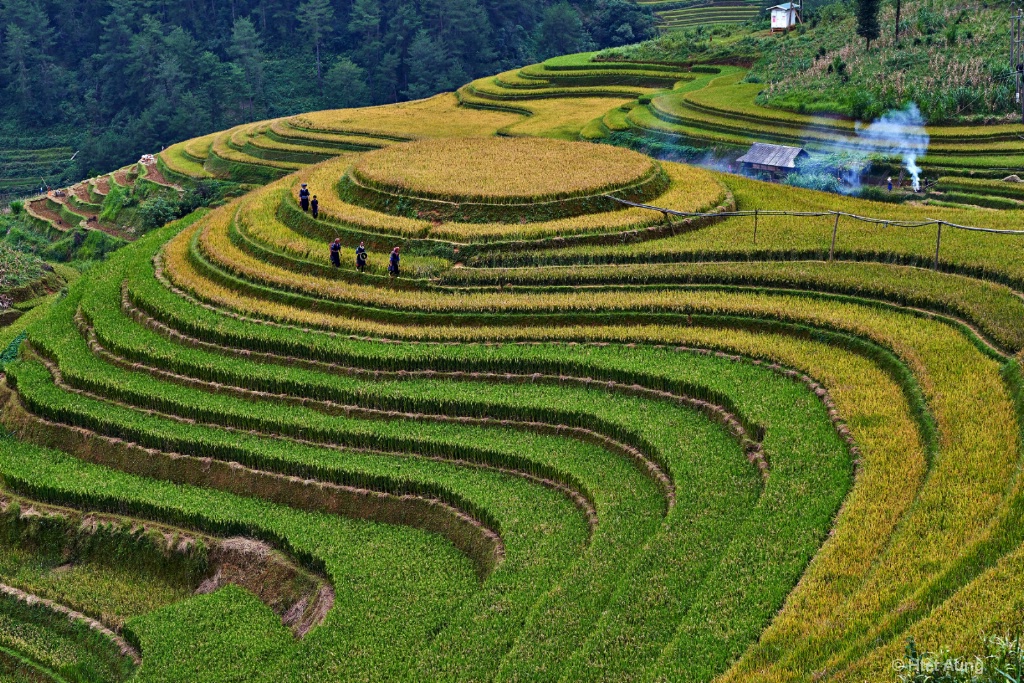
(749,436)
(499,170)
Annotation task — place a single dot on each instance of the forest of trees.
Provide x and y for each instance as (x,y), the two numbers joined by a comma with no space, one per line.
(122,77)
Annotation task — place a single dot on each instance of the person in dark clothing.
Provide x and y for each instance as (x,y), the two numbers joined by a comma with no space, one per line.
(315,206)
(393,263)
(304,197)
(336,253)
(361,258)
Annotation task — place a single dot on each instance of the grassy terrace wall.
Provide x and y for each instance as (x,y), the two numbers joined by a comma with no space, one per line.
(618,445)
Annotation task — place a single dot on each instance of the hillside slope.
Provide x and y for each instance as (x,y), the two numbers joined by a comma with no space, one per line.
(951,59)
(757,433)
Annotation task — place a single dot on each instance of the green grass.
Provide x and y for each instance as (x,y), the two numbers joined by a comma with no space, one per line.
(51,643)
(368,612)
(18,269)
(582,590)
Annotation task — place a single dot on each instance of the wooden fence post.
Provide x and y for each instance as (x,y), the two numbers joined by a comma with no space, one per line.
(835,229)
(755,227)
(938,244)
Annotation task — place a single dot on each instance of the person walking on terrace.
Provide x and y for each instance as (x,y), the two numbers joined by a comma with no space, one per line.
(393,262)
(336,253)
(361,258)
(304,197)
(314,206)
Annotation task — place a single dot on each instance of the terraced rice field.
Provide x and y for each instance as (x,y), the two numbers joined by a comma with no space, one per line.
(80,207)
(25,168)
(678,14)
(572,441)
(720,111)
(713,107)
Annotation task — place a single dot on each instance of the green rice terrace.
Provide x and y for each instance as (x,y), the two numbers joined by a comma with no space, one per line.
(677,14)
(618,418)
(25,166)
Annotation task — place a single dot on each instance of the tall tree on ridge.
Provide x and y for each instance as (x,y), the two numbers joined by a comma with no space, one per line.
(867,20)
(346,85)
(316,19)
(247,49)
(561,31)
(428,62)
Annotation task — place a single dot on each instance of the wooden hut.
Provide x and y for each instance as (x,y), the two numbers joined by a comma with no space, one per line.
(778,160)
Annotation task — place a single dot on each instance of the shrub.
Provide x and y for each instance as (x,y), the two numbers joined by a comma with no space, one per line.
(112,204)
(156,213)
(877,194)
(824,182)
(82,245)
(21,238)
(839,68)
(11,352)
(864,106)
(17,207)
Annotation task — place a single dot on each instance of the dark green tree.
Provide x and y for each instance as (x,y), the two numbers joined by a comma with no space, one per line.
(20,56)
(316,20)
(561,31)
(428,66)
(27,68)
(345,85)
(621,22)
(867,20)
(247,49)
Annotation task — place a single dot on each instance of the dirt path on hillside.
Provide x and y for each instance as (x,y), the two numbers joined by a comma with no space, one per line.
(67,205)
(40,209)
(122,179)
(153,174)
(81,192)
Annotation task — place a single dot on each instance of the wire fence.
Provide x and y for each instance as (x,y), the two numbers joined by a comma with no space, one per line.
(758,213)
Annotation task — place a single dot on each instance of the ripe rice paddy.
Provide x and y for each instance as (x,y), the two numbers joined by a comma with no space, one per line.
(501,169)
(612,445)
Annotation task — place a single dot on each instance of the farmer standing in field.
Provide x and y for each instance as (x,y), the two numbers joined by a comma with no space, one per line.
(361,258)
(393,262)
(315,206)
(336,253)
(304,197)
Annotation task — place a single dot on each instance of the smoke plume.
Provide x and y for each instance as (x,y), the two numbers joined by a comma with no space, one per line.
(900,132)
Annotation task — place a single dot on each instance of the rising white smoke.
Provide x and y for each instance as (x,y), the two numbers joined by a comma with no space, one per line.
(900,132)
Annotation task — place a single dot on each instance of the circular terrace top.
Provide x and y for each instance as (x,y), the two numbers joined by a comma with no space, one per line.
(501,170)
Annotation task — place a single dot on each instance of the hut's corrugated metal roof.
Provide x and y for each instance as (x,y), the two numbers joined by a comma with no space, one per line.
(772,155)
(785,6)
